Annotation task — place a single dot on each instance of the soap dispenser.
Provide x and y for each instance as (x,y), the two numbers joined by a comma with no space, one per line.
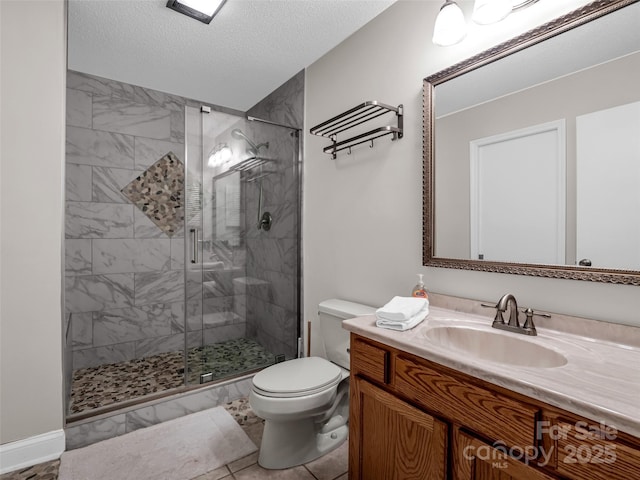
(419,291)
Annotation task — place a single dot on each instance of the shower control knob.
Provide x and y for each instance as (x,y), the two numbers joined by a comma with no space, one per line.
(265,222)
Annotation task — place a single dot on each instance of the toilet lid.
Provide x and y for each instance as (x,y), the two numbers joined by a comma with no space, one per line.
(301,376)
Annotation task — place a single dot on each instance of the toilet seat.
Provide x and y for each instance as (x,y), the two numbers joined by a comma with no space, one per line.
(297,378)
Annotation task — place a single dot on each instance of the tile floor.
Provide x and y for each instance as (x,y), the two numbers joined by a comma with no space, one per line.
(332,466)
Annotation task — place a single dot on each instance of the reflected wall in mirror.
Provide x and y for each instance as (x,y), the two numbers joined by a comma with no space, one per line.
(532,152)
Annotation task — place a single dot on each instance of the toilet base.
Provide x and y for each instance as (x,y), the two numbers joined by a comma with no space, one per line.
(287,444)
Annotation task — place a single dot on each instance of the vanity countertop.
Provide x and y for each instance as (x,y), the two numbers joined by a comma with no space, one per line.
(601,379)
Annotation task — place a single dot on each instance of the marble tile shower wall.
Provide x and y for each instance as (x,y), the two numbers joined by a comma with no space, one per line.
(124,278)
(273,256)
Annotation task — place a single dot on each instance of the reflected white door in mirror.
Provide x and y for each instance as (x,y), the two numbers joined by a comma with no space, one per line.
(608,197)
(518,195)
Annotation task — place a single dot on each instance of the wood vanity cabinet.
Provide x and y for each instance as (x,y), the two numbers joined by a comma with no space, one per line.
(414,419)
(397,440)
(474,459)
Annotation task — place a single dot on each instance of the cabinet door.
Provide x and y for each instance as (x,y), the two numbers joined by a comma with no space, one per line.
(585,451)
(392,440)
(474,459)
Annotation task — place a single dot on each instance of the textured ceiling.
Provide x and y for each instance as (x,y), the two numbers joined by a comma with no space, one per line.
(250,48)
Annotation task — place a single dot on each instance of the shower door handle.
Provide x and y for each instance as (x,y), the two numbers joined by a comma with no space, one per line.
(194,245)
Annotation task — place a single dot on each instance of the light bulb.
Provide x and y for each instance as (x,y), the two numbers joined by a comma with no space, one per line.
(450,27)
(491,11)
(220,155)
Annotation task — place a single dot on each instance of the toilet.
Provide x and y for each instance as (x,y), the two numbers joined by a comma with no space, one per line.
(305,401)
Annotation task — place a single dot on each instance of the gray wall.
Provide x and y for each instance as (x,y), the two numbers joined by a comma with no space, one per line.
(124,279)
(285,105)
(273,256)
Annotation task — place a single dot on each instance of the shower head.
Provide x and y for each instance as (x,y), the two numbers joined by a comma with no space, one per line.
(240,135)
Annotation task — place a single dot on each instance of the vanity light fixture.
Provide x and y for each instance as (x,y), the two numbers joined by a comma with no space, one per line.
(202,10)
(450,27)
(486,12)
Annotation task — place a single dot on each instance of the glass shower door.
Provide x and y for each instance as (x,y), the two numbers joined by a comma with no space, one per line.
(246,238)
(193,247)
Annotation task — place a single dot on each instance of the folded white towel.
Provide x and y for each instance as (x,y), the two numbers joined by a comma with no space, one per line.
(401,308)
(403,325)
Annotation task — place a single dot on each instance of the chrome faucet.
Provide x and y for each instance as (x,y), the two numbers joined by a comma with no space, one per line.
(528,328)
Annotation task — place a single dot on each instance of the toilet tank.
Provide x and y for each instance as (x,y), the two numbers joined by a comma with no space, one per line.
(331,313)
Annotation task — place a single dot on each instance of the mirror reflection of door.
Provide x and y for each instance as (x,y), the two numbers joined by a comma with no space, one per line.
(608,198)
(518,198)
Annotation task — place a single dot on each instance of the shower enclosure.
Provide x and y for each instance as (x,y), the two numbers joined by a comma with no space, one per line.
(182,248)
(241,244)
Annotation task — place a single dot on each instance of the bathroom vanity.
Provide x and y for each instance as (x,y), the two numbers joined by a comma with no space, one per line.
(425,407)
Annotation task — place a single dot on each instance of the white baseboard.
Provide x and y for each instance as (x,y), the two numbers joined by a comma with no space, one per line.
(31,451)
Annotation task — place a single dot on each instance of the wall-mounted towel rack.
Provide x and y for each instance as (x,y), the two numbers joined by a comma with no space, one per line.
(356,116)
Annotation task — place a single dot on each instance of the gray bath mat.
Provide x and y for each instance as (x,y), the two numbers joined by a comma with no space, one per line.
(178,449)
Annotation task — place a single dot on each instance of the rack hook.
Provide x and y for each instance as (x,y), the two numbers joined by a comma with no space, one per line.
(371,146)
(349,151)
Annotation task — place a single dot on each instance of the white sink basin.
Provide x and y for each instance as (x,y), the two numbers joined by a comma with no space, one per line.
(496,347)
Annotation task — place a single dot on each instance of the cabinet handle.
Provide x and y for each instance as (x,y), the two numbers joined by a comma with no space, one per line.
(387,368)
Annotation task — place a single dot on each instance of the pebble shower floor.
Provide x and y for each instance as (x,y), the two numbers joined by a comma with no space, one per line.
(104,385)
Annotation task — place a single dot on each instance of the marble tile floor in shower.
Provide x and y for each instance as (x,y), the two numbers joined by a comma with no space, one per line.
(104,385)
(332,466)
